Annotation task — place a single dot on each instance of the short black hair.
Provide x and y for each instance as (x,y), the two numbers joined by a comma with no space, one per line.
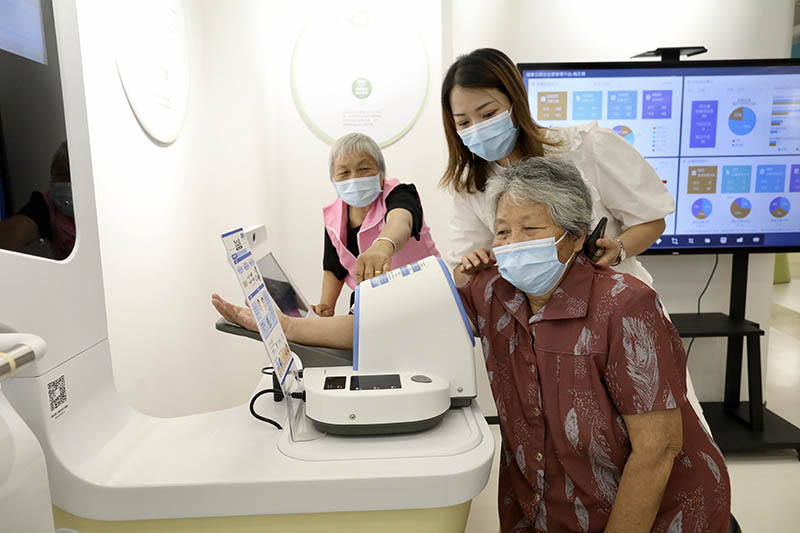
(60,162)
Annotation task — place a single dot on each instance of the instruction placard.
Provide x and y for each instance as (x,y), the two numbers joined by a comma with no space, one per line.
(259,301)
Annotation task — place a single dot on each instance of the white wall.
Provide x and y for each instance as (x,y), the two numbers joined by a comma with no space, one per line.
(614,30)
(161,211)
(245,156)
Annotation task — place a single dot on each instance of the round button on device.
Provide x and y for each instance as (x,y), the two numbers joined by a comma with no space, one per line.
(419,378)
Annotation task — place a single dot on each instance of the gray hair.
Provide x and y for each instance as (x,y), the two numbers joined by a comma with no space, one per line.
(357,143)
(552,181)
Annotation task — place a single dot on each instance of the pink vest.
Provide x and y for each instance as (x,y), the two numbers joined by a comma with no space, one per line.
(62,230)
(335,218)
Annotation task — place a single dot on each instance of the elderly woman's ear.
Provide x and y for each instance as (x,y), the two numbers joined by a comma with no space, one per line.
(579,242)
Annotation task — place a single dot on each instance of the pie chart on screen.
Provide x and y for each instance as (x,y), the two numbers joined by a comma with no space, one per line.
(741,207)
(779,207)
(742,120)
(701,209)
(625,132)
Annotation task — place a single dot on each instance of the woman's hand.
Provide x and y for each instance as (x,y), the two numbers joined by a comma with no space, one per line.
(374,261)
(471,263)
(323,310)
(636,239)
(241,316)
(477,260)
(607,252)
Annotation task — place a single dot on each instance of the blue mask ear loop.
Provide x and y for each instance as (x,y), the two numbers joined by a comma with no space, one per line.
(567,264)
(570,257)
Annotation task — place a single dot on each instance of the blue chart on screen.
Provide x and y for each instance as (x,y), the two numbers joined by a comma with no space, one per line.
(742,120)
(701,208)
(625,132)
(779,207)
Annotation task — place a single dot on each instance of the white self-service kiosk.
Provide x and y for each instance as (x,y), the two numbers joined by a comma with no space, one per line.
(111,468)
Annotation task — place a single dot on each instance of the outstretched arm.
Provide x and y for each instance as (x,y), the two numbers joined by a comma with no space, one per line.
(332,332)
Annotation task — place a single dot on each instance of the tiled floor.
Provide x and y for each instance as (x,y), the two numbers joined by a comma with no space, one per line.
(766,487)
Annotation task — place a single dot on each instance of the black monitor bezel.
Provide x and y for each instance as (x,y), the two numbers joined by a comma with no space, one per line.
(295,288)
(692,63)
(4,180)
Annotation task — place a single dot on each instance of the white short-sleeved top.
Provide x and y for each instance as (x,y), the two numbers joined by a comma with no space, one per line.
(624,188)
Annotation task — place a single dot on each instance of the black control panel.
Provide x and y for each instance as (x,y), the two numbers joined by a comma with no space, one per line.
(335,383)
(376,382)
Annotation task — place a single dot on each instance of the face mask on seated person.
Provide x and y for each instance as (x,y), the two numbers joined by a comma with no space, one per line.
(359,192)
(531,266)
(61,193)
(491,139)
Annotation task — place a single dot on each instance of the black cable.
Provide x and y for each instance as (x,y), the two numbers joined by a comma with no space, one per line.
(258,416)
(716,262)
(710,277)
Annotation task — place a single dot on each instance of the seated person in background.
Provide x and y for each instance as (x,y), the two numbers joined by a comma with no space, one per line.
(47,215)
(368,227)
(372,213)
(588,375)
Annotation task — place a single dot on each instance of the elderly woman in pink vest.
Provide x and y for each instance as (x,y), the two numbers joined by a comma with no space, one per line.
(376,224)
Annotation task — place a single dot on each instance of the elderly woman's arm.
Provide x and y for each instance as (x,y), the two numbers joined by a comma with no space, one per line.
(656,439)
(332,332)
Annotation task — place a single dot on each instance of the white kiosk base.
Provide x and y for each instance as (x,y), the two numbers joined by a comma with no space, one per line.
(114,469)
(443,520)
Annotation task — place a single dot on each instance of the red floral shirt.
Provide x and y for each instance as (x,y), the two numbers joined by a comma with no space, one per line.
(562,379)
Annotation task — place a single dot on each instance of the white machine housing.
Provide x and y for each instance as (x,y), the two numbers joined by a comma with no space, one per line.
(108,462)
(340,408)
(412,356)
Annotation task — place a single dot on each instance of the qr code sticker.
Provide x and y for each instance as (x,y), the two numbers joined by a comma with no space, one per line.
(57,390)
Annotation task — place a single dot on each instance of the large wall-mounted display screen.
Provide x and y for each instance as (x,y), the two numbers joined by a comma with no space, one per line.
(723,136)
(21,29)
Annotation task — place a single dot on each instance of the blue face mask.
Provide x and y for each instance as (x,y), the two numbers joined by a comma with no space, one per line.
(491,139)
(359,192)
(531,266)
(61,193)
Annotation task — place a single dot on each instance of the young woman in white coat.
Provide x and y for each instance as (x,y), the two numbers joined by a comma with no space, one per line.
(488,126)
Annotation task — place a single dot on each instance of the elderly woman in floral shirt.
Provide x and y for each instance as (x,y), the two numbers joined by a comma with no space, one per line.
(587,373)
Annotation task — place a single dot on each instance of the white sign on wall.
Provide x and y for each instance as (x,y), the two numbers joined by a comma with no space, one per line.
(153,64)
(362,69)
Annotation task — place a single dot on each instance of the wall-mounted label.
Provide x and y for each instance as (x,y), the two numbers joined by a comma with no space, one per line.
(57,395)
(360,69)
